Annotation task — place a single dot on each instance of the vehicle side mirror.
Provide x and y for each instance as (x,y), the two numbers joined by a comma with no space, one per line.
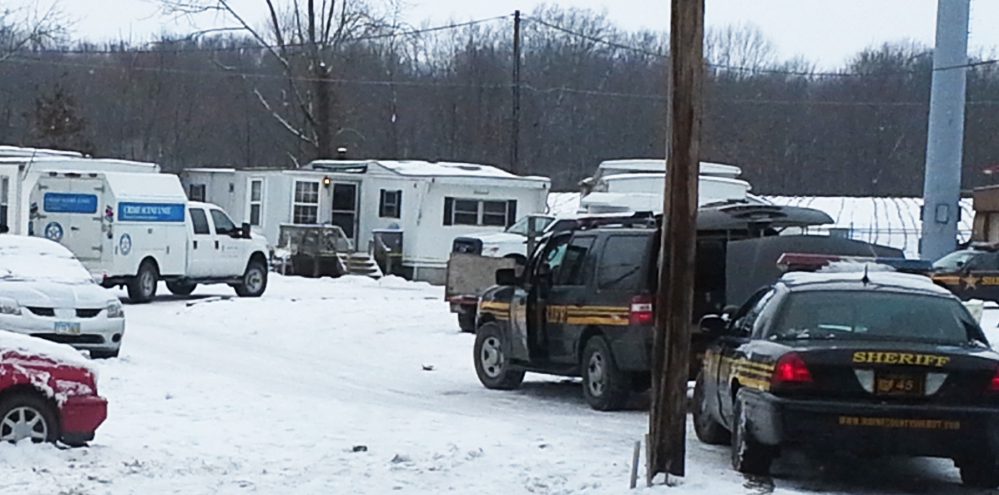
(506,276)
(713,325)
(246,230)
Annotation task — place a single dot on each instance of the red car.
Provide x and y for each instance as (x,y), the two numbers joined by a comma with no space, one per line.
(48,392)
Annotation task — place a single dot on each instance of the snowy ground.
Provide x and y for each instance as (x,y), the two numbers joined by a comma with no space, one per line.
(275,395)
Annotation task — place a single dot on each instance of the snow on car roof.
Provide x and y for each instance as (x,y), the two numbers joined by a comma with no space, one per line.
(879,275)
(34,258)
(34,346)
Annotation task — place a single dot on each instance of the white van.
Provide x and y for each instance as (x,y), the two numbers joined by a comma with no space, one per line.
(133,229)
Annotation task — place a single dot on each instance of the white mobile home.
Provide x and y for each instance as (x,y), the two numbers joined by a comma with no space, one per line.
(20,169)
(430,203)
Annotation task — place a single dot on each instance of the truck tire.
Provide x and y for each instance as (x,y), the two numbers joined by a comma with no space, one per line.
(707,429)
(181,288)
(605,386)
(748,455)
(466,320)
(491,363)
(980,472)
(142,287)
(254,280)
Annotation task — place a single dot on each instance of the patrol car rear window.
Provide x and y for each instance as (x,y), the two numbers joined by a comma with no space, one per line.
(867,315)
(621,262)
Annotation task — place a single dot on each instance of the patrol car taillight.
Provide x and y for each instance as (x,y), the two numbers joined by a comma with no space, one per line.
(994,386)
(640,312)
(790,368)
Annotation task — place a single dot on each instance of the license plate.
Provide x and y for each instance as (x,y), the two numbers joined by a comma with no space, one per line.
(67,328)
(899,384)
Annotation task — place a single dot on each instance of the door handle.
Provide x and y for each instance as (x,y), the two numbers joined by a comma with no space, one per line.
(74,229)
(216,244)
(195,244)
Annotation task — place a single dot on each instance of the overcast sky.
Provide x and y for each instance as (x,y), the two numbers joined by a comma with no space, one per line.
(827,32)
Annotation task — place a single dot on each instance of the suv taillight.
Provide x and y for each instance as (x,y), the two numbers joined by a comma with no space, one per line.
(790,368)
(640,312)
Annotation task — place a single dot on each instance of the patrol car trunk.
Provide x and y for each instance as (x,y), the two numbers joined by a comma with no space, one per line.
(895,372)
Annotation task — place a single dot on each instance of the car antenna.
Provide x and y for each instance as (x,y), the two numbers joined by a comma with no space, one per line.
(866,279)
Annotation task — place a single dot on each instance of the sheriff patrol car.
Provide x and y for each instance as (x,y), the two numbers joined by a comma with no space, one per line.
(873,363)
(971,273)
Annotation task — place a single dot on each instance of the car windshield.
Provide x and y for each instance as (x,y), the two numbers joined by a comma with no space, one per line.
(954,260)
(521,226)
(869,315)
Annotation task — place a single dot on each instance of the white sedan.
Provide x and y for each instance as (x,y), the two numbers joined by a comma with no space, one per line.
(45,292)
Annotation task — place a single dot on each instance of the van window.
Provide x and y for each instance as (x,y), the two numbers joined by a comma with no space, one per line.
(222,223)
(572,263)
(621,262)
(200,221)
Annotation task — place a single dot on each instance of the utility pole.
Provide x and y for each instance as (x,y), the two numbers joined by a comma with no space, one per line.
(675,298)
(945,137)
(515,130)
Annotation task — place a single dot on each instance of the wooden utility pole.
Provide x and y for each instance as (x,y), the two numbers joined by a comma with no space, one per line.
(515,124)
(674,302)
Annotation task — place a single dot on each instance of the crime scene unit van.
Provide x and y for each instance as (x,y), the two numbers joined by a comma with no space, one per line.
(132,230)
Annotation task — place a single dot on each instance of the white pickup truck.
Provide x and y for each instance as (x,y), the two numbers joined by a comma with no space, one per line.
(134,229)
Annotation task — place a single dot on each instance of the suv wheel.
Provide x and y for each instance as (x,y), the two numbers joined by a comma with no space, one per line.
(254,280)
(980,472)
(142,287)
(748,455)
(491,363)
(25,416)
(466,320)
(605,387)
(707,429)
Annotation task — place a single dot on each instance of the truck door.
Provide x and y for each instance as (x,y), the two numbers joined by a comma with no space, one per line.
(69,214)
(540,280)
(201,247)
(566,313)
(232,249)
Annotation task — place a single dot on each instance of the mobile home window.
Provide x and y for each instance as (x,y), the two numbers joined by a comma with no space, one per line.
(306,206)
(479,212)
(256,200)
(390,204)
(196,192)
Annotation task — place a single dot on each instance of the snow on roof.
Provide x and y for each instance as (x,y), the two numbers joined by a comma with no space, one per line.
(144,187)
(659,165)
(35,258)
(18,152)
(33,346)
(876,276)
(78,164)
(417,168)
(211,170)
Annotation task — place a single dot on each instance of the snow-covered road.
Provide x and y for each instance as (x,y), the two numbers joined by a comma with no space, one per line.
(320,387)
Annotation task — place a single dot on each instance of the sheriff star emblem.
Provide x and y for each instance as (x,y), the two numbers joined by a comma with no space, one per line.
(970,282)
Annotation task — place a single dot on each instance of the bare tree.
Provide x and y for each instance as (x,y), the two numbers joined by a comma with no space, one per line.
(306,37)
(30,27)
(739,47)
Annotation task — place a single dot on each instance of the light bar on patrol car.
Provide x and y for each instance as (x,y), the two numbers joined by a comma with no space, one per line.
(811,261)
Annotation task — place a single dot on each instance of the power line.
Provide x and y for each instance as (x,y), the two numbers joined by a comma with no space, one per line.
(256,46)
(735,68)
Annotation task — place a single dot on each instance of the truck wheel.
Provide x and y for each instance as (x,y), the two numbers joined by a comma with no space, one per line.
(980,472)
(26,416)
(605,387)
(466,320)
(707,429)
(491,363)
(142,287)
(748,455)
(181,288)
(254,280)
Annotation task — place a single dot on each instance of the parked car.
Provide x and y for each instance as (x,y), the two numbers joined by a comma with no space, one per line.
(47,392)
(971,273)
(872,364)
(45,292)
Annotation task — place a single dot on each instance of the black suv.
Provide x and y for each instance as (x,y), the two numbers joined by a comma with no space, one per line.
(584,304)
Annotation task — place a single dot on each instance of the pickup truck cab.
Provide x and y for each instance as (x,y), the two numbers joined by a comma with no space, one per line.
(583,305)
(134,230)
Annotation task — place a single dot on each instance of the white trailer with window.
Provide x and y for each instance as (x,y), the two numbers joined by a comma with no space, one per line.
(136,229)
(420,205)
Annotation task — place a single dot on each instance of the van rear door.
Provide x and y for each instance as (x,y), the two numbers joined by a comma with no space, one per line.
(69,212)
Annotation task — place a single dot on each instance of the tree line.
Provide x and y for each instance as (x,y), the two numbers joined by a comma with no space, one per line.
(589,92)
